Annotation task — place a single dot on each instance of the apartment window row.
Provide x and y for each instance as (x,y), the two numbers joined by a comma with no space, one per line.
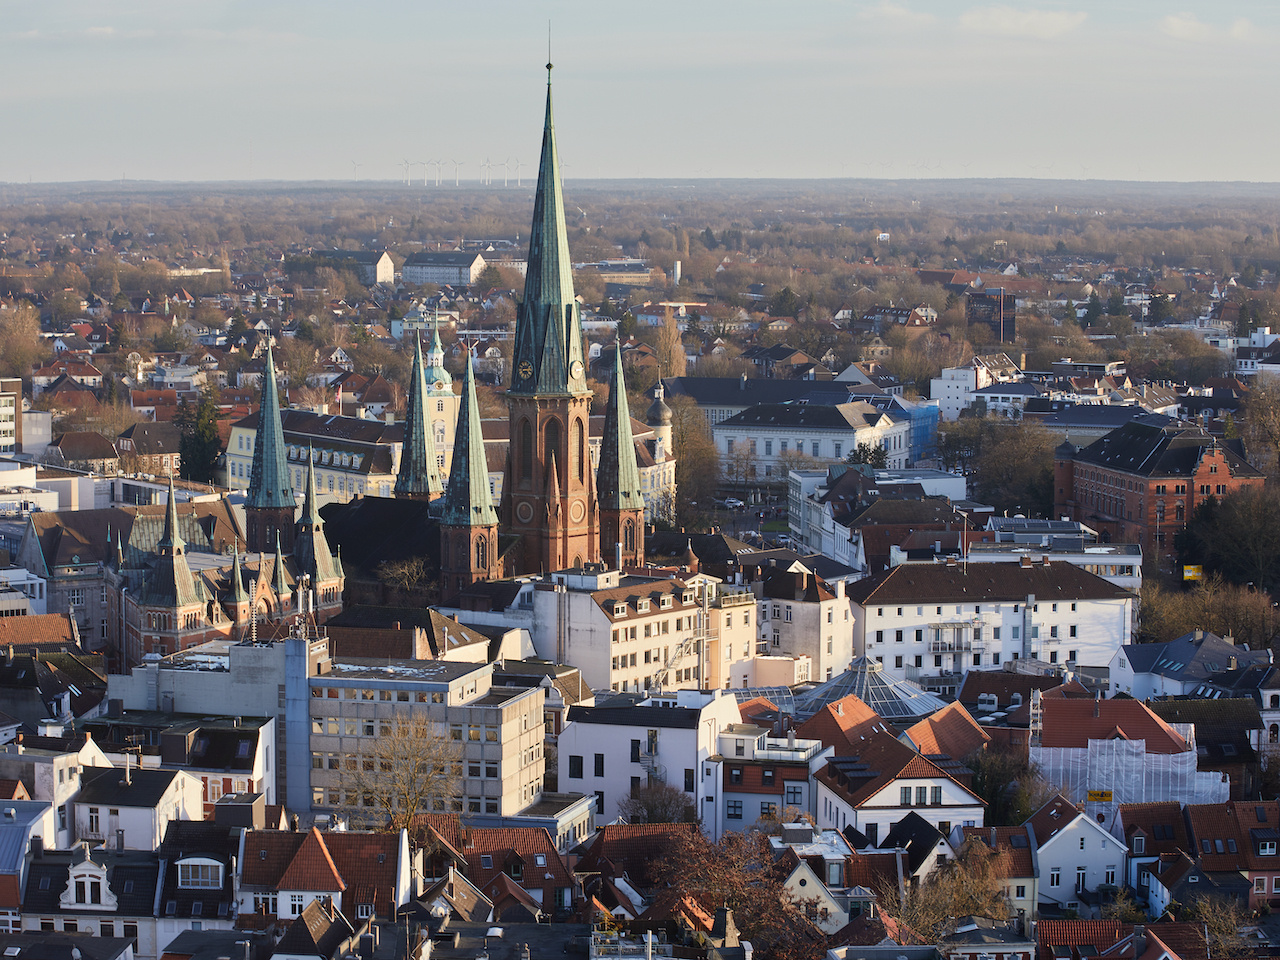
(961,609)
(381,696)
(924,796)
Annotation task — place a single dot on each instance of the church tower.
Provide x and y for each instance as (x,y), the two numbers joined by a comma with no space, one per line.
(311,552)
(548,493)
(618,483)
(468,522)
(269,507)
(419,476)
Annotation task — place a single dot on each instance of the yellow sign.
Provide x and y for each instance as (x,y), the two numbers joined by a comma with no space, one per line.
(1192,571)
(1098,796)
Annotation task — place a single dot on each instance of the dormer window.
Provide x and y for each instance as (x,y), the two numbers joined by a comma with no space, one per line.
(1267,848)
(200,874)
(666,602)
(619,609)
(1139,845)
(642,606)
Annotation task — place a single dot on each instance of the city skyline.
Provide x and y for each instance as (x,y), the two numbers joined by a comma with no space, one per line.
(287,91)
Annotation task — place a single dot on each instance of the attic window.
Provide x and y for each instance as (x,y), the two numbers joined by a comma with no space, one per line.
(242,748)
(619,609)
(1261,814)
(666,602)
(642,606)
(486,862)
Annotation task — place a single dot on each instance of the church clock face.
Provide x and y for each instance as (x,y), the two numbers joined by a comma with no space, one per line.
(525,369)
(575,369)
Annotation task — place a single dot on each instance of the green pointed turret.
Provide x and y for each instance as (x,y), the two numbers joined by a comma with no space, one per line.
(170,582)
(419,474)
(278,578)
(239,593)
(310,547)
(467,502)
(438,378)
(269,476)
(547,358)
(618,478)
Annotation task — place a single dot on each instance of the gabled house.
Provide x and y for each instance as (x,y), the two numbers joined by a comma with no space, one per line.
(283,872)
(1018,864)
(105,893)
(1075,855)
(26,826)
(131,809)
(1237,839)
(321,932)
(886,780)
(1149,831)
(197,887)
(1177,667)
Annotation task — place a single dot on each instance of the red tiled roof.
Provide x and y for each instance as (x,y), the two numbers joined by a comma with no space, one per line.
(505,846)
(844,724)
(886,759)
(1161,824)
(629,849)
(45,629)
(1018,861)
(1079,933)
(1052,817)
(367,864)
(312,868)
(951,732)
(1073,723)
(10,892)
(1223,825)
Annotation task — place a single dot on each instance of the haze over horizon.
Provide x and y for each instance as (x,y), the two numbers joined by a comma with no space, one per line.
(228,90)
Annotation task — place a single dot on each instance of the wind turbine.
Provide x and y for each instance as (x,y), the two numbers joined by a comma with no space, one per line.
(408,167)
(506,171)
(519,167)
(425,164)
(457,165)
(354,167)
(485,170)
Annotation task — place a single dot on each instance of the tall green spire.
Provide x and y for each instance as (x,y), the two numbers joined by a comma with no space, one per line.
(310,547)
(547,359)
(239,594)
(467,502)
(269,477)
(419,475)
(279,580)
(170,583)
(618,478)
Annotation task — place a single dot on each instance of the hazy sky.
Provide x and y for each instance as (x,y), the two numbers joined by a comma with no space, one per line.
(302,89)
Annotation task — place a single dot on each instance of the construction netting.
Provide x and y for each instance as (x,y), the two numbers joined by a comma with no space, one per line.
(1111,772)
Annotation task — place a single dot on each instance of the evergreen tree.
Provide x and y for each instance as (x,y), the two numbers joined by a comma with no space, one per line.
(200,446)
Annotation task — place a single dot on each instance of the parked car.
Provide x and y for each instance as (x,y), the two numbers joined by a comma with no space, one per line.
(733,503)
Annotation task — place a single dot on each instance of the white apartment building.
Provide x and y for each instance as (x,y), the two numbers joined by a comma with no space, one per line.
(802,615)
(633,633)
(954,390)
(931,623)
(771,434)
(610,750)
(1075,854)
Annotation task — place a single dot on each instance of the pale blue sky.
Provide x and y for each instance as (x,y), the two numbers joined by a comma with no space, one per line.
(301,89)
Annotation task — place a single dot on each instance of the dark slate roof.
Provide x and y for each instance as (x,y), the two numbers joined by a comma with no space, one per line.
(359,256)
(150,439)
(85,446)
(916,835)
(369,530)
(1149,450)
(1092,415)
(1192,657)
(737,392)
(445,259)
(131,875)
(972,583)
(196,838)
(809,416)
(319,931)
(64,946)
(109,789)
(679,718)
(707,547)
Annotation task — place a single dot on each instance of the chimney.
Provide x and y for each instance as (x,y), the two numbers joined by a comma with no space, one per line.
(742,384)
(395,625)
(119,840)
(1139,939)
(1097,709)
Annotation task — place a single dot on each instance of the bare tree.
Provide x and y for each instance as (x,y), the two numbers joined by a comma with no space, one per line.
(657,802)
(970,885)
(405,770)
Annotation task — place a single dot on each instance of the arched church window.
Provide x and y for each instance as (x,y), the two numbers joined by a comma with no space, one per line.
(526,450)
(629,536)
(482,554)
(551,438)
(580,448)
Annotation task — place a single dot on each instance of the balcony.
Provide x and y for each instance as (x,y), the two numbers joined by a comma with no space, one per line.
(957,646)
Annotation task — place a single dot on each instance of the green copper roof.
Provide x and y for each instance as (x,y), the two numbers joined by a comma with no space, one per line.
(437,377)
(419,475)
(547,357)
(239,593)
(170,582)
(467,502)
(269,476)
(618,478)
(310,547)
(278,578)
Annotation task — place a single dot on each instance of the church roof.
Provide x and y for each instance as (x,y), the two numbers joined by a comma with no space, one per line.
(547,356)
(419,474)
(618,478)
(310,548)
(170,582)
(467,501)
(269,477)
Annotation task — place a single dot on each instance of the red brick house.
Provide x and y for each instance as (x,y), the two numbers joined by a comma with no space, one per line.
(1141,482)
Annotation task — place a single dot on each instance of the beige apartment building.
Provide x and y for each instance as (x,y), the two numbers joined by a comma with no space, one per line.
(631,633)
(500,729)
